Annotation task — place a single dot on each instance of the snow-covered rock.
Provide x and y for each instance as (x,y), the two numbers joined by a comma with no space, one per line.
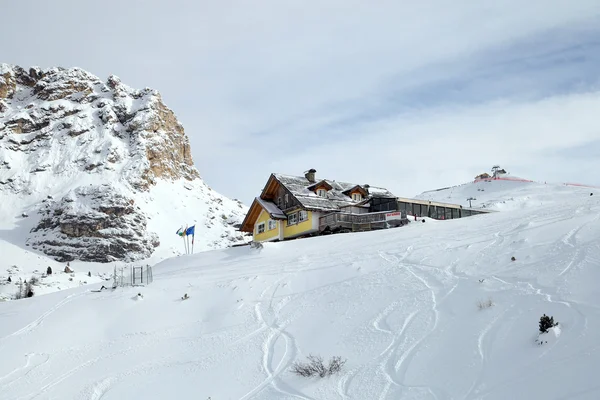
(95,145)
(95,223)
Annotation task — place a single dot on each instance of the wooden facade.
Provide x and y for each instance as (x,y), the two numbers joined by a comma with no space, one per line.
(280,196)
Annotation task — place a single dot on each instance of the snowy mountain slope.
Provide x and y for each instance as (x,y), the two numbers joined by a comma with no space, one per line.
(98,171)
(506,195)
(399,305)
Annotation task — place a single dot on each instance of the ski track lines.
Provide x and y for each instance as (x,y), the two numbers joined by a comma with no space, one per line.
(34,360)
(528,289)
(482,353)
(570,240)
(394,365)
(396,345)
(276,331)
(38,321)
(100,388)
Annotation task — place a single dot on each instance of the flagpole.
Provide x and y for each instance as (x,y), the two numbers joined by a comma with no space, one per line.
(181,234)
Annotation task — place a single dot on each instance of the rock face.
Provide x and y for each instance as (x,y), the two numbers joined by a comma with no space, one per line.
(131,127)
(93,223)
(101,148)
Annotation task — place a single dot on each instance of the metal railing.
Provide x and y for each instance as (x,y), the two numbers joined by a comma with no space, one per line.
(337,219)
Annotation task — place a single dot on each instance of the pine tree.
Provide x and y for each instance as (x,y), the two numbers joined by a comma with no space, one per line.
(546,323)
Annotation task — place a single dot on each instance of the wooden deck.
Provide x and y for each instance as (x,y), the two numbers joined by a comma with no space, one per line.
(360,222)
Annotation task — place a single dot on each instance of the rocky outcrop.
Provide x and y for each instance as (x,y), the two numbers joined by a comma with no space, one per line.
(39,108)
(62,129)
(93,223)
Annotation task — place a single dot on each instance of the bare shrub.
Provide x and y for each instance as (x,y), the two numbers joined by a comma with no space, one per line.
(316,367)
(34,280)
(482,305)
(25,289)
(19,294)
(335,365)
(29,287)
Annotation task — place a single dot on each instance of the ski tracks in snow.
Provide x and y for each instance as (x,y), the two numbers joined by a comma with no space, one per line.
(39,320)
(407,341)
(482,352)
(579,252)
(269,320)
(34,360)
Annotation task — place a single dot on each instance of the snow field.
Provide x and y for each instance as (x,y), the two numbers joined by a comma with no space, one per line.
(399,305)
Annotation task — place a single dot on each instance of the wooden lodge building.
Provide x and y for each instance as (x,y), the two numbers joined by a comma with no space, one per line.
(290,207)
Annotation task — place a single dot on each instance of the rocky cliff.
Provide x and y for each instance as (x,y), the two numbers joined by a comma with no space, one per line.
(96,162)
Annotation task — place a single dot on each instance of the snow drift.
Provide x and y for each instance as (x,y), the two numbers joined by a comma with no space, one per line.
(400,306)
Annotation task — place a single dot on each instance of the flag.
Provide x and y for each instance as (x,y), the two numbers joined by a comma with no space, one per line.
(190,230)
(179,231)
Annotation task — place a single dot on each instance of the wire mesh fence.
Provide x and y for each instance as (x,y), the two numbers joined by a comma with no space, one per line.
(133,275)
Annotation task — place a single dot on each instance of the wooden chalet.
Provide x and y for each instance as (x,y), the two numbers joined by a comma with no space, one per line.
(295,206)
(290,207)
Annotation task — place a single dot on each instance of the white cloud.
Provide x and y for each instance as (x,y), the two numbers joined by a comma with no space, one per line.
(338,85)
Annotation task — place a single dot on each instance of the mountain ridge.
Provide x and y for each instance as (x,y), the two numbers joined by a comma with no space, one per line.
(69,139)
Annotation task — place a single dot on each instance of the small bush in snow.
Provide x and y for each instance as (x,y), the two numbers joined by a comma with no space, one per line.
(29,287)
(49,271)
(19,294)
(546,323)
(482,305)
(25,289)
(316,367)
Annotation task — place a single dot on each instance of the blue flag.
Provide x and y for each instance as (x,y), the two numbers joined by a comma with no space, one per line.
(190,231)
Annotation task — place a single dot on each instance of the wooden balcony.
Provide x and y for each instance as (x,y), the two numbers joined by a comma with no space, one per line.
(361,222)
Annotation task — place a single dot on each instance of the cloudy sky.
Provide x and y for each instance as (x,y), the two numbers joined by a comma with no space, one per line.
(400,94)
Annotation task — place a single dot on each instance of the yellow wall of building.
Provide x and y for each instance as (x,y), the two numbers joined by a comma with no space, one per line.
(299,228)
(267,234)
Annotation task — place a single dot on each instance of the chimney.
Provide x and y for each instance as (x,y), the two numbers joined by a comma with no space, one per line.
(310,175)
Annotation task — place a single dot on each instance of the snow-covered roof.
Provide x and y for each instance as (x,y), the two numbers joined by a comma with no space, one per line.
(298,186)
(271,208)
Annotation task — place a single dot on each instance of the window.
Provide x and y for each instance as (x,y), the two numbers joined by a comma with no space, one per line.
(417,210)
(292,219)
(279,202)
(260,228)
(272,224)
(356,196)
(322,193)
(303,215)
